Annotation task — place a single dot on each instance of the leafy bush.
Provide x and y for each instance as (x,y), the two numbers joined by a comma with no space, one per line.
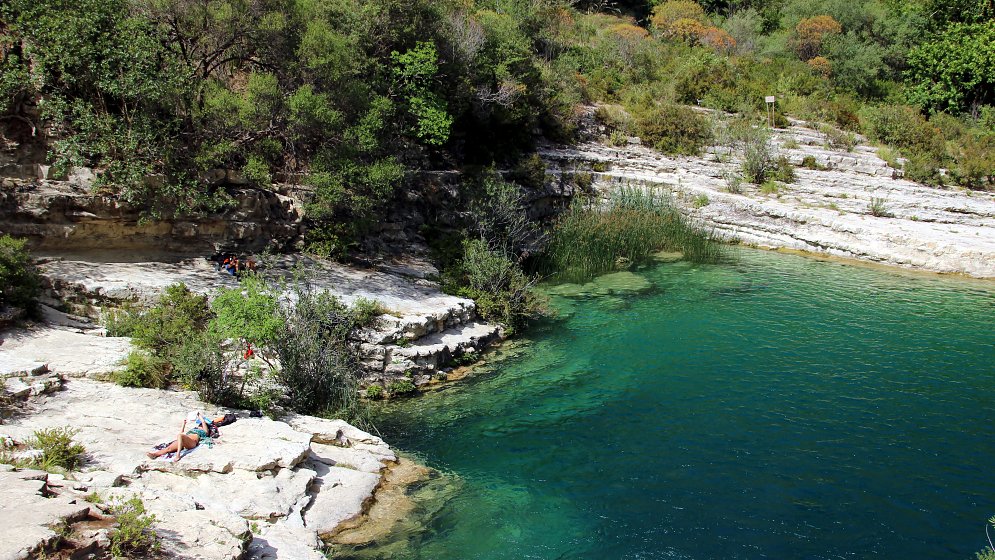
(975,161)
(59,451)
(401,387)
(839,139)
(903,127)
(616,119)
(208,365)
(144,370)
(318,368)
(785,172)
(366,312)
(501,290)
(167,330)
(120,321)
(674,129)
(178,316)
(249,312)
(374,392)
(499,216)
(760,161)
(809,162)
(134,536)
(19,282)
(530,171)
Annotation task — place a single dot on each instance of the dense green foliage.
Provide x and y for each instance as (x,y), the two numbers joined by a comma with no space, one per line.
(184,340)
(317,366)
(488,265)
(19,282)
(496,281)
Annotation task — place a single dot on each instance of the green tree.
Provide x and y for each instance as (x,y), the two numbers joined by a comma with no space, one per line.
(956,71)
(19,282)
(415,73)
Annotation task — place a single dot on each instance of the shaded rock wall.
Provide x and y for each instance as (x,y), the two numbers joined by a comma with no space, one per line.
(59,216)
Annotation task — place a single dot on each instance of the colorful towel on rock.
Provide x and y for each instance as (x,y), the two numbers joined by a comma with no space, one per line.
(169,456)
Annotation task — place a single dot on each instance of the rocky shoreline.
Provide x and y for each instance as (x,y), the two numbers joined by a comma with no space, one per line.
(266,489)
(829,209)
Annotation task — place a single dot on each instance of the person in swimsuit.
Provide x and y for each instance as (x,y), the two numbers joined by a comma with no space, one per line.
(186,439)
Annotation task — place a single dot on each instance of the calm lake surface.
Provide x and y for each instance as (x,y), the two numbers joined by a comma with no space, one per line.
(771,407)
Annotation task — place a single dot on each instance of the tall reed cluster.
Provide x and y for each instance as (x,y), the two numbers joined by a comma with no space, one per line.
(597,237)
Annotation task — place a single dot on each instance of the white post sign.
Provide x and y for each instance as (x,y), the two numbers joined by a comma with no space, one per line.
(770,100)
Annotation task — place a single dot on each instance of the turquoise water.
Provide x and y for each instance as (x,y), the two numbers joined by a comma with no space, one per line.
(771,407)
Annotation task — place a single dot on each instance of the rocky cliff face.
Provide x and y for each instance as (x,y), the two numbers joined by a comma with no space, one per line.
(852,205)
(60,216)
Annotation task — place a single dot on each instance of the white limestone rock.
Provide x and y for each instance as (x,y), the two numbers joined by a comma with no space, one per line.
(203,534)
(348,457)
(252,495)
(283,542)
(28,519)
(340,495)
(62,351)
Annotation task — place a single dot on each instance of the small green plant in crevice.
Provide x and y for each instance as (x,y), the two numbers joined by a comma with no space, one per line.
(771,187)
(837,139)
(59,451)
(700,201)
(94,498)
(809,162)
(879,207)
(401,387)
(134,536)
(465,359)
(790,144)
(375,392)
(366,312)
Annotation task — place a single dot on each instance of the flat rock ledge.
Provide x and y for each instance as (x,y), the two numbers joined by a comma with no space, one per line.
(853,205)
(265,490)
(423,331)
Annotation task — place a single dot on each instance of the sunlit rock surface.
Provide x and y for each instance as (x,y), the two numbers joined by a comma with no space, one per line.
(272,477)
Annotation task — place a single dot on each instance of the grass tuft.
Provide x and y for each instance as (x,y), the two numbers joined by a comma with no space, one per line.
(591,239)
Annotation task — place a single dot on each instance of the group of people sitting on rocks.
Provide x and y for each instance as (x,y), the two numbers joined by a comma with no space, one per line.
(236,266)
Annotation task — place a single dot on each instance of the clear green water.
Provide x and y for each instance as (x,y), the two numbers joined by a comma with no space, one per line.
(774,407)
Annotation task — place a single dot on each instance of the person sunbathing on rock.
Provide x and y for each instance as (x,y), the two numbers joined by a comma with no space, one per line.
(186,439)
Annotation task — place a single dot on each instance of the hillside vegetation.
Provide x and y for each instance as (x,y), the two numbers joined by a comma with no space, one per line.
(353,98)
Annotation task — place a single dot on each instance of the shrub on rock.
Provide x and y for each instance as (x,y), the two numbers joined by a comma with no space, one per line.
(19,282)
(674,129)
